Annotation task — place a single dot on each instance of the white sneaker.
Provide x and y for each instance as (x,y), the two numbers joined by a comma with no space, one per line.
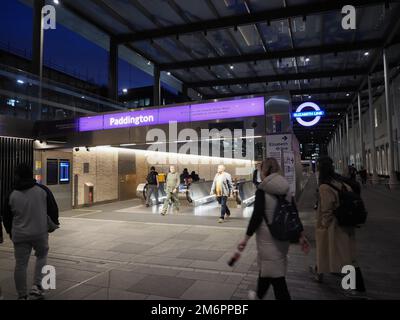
(252,295)
(36,293)
(220,220)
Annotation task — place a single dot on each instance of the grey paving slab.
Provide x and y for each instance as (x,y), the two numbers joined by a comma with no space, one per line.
(209,290)
(131,248)
(210,276)
(116,279)
(163,286)
(191,236)
(74,274)
(206,255)
(152,270)
(112,294)
(77,293)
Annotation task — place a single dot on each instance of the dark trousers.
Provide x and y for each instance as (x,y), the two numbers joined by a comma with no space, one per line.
(224,207)
(279,284)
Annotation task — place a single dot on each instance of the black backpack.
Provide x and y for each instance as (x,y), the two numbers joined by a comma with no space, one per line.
(286,224)
(351,211)
(151,178)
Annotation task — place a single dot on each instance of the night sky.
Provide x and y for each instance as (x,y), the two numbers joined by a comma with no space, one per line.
(63,48)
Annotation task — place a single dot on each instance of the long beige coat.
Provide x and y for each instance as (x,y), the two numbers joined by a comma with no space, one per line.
(335,245)
(272,253)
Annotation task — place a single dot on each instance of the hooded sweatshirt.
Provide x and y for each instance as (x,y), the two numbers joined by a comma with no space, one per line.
(27,213)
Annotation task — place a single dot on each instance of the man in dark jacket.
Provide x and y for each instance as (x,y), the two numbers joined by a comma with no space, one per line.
(30,210)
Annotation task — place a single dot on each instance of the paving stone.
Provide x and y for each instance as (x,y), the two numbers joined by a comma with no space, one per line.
(206,255)
(116,279)
(131,248)
(207,290)
(163,286)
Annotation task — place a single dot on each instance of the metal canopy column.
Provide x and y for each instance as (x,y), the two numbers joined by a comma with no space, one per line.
(372,129)
(37,54)
(113,70)
(393,182)
(360,128)
(156,86)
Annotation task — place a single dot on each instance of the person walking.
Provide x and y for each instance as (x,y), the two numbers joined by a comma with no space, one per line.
(172,188)
(363,175)
(152,186)
(30,212)
(222,188)
(184,176)
(335,244)
(271,253)
(257,175)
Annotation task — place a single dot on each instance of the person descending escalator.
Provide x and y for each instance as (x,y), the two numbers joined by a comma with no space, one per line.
(172,189)
(222,187)
(152,186)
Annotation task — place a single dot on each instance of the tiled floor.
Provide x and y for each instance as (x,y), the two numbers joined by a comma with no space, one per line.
(115,252)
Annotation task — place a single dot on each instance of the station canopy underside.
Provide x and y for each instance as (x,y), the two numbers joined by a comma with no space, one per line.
(223,48)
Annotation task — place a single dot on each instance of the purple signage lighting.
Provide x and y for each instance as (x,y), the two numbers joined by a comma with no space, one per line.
(130,119)
(196,112)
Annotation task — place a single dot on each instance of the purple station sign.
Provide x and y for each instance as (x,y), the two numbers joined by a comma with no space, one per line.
(187,113)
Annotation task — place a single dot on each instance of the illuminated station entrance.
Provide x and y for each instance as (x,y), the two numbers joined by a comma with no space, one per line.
(107,157)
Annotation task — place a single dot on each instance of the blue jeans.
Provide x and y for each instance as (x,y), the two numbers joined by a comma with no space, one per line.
(224,207)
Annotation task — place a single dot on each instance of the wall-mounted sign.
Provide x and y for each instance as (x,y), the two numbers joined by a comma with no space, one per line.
(187,113)
(317,113)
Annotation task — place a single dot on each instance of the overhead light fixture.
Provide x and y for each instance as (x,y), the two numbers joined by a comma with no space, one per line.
(309,97)
(347,94)
(366,53)
(125,90)
(231,67)
(56,2)
(307,59)
(83,97)
(168,73)
(127,144)
(20,81)
(148,63)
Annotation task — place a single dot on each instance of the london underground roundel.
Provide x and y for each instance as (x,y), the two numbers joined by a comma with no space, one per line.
(316,114)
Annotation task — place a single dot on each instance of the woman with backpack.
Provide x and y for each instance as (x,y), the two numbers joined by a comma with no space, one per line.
(271,252)
(335,244)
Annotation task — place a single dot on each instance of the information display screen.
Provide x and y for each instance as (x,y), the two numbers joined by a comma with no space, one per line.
(64,171)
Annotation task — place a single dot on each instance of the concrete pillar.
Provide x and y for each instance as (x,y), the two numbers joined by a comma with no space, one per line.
(156,86)
(360,128)
(348,150)
(393,182)
(372,130)
(185,91)
(353,135)
(113,70)
(37,54)
(341,149)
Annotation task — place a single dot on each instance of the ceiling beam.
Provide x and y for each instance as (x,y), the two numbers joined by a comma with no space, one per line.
(292,92)
(279,77)
(280,54)
(246,19)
